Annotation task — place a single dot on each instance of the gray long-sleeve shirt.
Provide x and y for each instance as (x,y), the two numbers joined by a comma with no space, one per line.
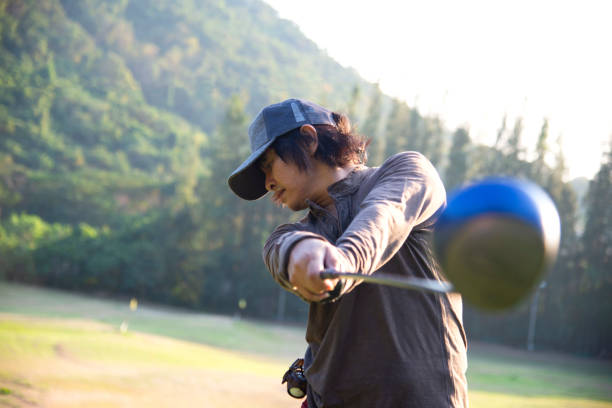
(378,346)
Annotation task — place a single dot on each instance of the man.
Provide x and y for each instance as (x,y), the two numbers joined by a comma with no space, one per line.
(368,345)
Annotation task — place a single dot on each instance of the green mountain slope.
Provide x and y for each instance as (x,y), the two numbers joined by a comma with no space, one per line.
(189,57)
(110,98)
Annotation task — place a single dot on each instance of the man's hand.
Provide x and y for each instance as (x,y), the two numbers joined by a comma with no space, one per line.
(307,259)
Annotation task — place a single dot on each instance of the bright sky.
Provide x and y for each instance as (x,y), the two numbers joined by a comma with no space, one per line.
(471,62)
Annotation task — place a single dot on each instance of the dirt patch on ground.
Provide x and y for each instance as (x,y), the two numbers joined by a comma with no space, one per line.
(61,352)
(159,388)
(18,392)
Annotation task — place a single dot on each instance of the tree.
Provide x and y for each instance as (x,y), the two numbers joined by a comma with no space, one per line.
(514,150)
(505,157)
(563,196)
(433,142)
(501,132)
(397,130)
(539,164)
(581,282)
(597,236)
(558,301)
(596,282)
(351,106)
(372,127)
(458,165)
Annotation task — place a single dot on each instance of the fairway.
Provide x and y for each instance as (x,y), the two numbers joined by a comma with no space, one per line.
(64,350)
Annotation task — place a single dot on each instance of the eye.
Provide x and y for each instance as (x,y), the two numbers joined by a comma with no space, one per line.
(264,165)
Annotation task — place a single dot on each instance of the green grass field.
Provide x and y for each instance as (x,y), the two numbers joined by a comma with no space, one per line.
(64,350)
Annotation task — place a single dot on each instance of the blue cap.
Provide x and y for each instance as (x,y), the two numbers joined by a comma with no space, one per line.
(248,181)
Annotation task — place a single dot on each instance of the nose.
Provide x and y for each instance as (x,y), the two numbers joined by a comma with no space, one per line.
(269,182)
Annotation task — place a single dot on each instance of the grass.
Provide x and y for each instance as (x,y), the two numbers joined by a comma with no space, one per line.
(64,350)
(503,377)
(230,333)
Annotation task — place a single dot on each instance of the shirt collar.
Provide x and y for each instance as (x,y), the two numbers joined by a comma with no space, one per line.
(348,185)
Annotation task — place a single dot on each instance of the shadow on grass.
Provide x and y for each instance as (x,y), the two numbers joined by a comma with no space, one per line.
(505,370)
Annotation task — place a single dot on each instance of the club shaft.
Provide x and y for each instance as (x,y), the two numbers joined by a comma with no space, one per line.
(404,282)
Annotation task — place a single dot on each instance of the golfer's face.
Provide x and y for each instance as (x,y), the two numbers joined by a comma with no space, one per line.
(289,186)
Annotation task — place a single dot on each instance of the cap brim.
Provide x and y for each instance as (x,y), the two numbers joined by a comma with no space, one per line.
(248,181)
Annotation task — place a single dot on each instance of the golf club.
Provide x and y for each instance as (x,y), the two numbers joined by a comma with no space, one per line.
(405,282)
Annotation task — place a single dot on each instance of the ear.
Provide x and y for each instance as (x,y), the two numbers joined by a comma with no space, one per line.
(310,131)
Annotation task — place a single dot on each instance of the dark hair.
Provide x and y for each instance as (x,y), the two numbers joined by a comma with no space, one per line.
(337,145)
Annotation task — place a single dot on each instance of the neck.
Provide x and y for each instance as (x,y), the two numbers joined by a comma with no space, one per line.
(325,177)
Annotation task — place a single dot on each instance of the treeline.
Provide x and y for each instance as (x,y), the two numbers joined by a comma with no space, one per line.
(121,120)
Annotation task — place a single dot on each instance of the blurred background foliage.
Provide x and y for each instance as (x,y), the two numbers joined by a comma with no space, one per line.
(120,121)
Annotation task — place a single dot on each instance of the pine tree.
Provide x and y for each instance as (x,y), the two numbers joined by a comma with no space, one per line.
(539,165)
(564,196)
(351,107)
(398,128)
(597,236)
(514,150)
(457,170)
(559,299)
(595,283)
(238,227)
(501,132)
(505,158)
(490,160)
(371,127)
(433,144)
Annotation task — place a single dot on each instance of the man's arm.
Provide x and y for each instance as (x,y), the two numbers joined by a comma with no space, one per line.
(408,192)
(295,257)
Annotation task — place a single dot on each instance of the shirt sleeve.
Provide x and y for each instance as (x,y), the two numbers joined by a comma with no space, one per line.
(407,191)
(278,248)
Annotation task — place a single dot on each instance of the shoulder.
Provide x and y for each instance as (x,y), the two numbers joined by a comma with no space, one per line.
(406,166)
(403,175)
(409,161)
